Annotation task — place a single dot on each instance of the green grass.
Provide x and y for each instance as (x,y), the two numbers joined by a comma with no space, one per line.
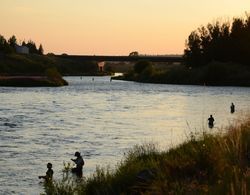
(205,164)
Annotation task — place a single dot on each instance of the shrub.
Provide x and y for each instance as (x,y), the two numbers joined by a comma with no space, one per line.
(140,66)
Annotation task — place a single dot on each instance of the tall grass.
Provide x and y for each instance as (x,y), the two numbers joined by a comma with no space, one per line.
(206,164)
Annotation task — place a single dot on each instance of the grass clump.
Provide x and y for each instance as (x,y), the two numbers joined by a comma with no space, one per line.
(206,164)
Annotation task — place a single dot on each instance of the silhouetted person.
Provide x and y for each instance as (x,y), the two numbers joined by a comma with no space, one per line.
(232,108)
(93,79)
(49,173)
(211,121)
(79,164)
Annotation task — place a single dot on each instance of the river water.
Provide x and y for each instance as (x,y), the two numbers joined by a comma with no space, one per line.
(102,120)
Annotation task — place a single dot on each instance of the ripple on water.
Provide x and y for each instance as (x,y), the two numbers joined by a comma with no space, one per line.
(10,125)
(4,119)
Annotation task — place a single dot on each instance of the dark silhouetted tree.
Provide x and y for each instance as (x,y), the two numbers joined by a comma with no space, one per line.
(32,47)
(193,51)
(140,66)
(2,43)
(12,41)
(134,53)
(40,50)
(4,46)
(219,42)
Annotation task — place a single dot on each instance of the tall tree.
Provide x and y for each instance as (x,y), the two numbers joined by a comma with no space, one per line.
(219,42)
(32,47)
(12,41)
(2,43)
(40,50)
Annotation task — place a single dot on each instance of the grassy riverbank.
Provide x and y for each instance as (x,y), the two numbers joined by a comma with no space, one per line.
(32,81)
(34,65)
(33,70)
(205,164)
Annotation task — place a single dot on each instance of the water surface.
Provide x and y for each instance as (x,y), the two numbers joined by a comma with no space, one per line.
(102,120)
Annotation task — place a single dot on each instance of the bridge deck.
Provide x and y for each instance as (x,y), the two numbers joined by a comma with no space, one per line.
(124,58)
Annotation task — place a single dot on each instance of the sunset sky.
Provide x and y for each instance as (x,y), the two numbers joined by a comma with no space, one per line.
(112,27)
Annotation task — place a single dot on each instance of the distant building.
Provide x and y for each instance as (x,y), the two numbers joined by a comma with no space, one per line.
(22,49)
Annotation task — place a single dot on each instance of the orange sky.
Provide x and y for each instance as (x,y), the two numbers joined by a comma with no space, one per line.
(112,27)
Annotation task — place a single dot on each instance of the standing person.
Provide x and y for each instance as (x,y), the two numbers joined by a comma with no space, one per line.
(49,174)
(79,164)
(211,121)
(232,108)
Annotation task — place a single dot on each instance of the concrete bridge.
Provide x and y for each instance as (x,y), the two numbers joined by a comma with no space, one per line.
(101,58)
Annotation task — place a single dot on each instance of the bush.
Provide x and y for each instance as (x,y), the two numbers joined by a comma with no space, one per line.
(140,66)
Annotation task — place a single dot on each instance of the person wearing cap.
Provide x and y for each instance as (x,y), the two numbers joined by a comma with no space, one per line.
(79,164)
(49,174)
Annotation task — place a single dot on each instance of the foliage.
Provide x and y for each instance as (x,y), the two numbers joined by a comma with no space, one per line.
(32,47)
(12,41)
(214,73)
(53,76)
(9,46)
(134,53)
(5,46)
(140,66)
(52,73)
(108,69)
(34,64)
(40,50)
(224,42)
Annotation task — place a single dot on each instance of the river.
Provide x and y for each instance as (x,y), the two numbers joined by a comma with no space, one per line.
(102,120)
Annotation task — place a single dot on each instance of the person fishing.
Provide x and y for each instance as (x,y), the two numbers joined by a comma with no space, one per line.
(232,108)
(79,164)
(49,173)
(211,121)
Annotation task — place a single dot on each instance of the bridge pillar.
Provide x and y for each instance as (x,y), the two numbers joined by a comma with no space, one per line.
(101,66)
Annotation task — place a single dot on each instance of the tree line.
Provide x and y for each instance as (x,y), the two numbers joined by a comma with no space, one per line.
(220,41)
(8,46)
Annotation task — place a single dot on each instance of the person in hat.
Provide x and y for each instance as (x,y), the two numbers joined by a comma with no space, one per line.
(49,174)
(79,164)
